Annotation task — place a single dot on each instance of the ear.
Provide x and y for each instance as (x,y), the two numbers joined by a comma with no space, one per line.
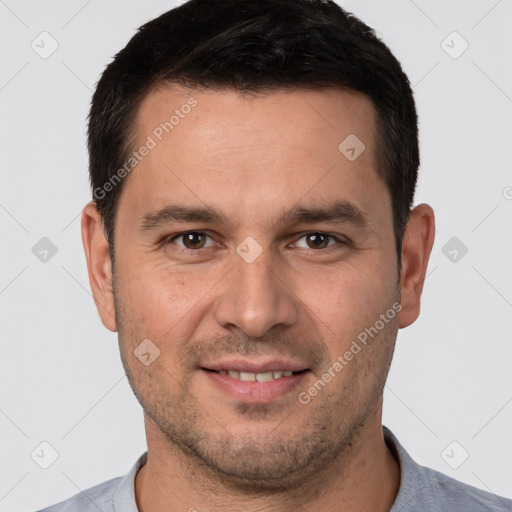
(99,265)
(416,247)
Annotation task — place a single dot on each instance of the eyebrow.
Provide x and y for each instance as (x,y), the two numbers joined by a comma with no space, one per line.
(181,213)
(340,212)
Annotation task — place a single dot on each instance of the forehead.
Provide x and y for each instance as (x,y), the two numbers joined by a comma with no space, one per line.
(239,152)
(294,116)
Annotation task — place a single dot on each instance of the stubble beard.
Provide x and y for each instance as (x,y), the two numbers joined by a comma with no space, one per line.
(277,460)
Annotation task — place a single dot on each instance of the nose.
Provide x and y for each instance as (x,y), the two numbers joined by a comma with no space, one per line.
(256,297)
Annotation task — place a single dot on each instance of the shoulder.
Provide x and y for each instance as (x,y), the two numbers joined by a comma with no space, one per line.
(425,490)
(115,495)
(450,494)
(97,498)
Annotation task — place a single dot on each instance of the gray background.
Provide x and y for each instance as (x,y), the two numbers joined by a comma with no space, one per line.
(61,377)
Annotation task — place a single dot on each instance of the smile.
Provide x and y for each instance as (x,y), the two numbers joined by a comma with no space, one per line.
(256,377)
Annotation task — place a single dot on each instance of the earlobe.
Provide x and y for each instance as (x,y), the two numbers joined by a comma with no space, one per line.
(416,248)
(99,266)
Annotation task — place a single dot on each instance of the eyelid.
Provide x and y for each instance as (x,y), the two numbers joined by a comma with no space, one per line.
(171,239)
(338,238)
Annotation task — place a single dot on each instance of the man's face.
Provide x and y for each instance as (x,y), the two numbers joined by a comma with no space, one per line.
(261,284)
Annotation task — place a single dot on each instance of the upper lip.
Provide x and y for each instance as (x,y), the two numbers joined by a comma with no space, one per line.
(243,365)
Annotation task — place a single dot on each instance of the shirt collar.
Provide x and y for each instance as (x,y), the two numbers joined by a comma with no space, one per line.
(415,480)
(124,498)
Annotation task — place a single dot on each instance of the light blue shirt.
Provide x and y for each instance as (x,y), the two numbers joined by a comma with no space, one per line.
(421,490)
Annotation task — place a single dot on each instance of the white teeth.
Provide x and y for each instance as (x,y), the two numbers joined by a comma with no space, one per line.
(247,377)
(264,377)
(256,377)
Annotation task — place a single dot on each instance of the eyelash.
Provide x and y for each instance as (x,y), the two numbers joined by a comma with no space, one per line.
(170,240)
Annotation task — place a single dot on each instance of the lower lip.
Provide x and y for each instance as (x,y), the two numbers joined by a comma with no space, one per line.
(256,392)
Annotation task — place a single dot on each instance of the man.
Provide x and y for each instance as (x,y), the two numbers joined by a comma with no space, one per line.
(252,240)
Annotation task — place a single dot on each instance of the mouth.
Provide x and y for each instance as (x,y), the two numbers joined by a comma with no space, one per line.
(256,377)
(255,383)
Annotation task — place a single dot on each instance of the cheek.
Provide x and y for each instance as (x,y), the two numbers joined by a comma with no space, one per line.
(348,300)
(161,303)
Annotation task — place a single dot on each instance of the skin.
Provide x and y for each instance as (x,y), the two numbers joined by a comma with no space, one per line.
(253,158)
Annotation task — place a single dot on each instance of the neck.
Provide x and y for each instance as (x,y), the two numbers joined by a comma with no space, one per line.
(365,477)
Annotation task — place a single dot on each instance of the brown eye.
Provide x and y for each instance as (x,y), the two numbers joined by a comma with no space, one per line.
(191,240)
(194,240)
(317,240)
